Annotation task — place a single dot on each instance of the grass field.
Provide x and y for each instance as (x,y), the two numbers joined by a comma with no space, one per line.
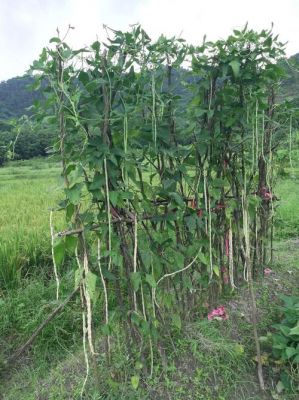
(208,361)
(287,218)
(28,190)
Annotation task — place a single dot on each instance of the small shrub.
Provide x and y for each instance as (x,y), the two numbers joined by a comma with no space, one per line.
(285,344)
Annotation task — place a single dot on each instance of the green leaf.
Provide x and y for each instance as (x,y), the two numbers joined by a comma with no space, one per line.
(55,40)
(136,319)
(70,209)
(59,250)
(176,321)
(284,329)
(96,46)
(151,280)
(83,77)
(135,381)
(127,195)
(294,331)
(146,256)
(91,281)
(94,85)
(290,352)
(114,197)
(179,260)
(280,387)
(98,182)
(117,259)
(136,280)
(177,199)
(202,258)
(235,64)
(71,243)
(216,270)
(66,53)
(108,275)
(75,175)
(144,327)
(74,193)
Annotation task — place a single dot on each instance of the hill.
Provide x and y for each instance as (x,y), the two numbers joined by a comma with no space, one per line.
(290,85)
(15,97)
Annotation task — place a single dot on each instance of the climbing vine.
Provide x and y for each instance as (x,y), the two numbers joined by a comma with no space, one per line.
(167,153)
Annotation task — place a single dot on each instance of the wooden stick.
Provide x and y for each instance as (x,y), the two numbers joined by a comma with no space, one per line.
(129,220)
(28,343)
(254,320)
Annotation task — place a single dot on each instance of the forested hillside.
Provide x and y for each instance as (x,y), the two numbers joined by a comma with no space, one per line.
(290,86)
(17,96)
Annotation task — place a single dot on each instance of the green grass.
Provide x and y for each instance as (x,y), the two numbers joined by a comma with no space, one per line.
(287,217)
(209,360)
(28,190)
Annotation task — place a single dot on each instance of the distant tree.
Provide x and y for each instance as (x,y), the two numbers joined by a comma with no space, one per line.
(24,139)
(2,155)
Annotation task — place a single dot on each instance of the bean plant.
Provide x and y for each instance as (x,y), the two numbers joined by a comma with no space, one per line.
(167,158)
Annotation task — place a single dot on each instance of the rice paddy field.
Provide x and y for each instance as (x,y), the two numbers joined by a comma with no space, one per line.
(28,190)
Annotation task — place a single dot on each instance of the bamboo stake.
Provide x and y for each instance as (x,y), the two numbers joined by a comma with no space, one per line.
(246,254)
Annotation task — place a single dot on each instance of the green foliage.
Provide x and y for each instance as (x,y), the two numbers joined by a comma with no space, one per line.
(166,188)
(16,97)
(22,139)
(286,340)
(3,155)
(285,344)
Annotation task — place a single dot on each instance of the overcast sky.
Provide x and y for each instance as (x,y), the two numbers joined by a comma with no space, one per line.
(27,25)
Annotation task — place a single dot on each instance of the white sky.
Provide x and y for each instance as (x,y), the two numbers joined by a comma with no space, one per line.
(27,25)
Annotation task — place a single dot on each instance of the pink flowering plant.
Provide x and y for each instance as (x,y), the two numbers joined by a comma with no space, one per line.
(218,314)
